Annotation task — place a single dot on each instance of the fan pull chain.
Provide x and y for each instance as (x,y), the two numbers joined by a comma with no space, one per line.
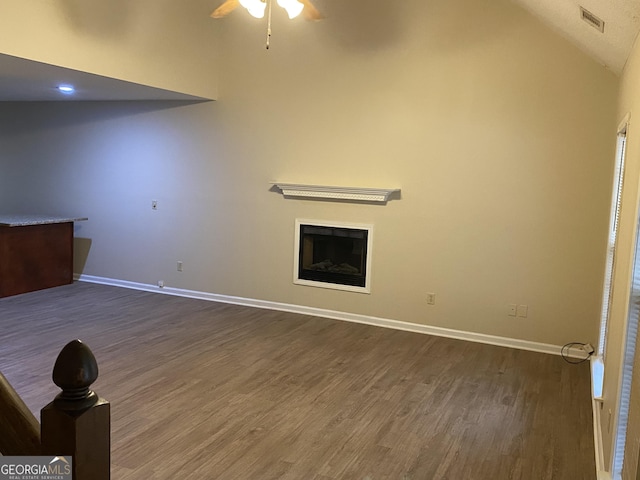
(268,23)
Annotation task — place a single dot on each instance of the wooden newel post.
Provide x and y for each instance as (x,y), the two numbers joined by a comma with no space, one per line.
(77,422)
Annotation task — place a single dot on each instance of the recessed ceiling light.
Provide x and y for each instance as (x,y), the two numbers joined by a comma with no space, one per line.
(66,89)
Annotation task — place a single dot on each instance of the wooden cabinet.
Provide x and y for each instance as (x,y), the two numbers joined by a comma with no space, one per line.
(34,257)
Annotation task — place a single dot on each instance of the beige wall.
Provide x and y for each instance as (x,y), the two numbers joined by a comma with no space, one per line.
(628,104)
(498,131)
(160,43)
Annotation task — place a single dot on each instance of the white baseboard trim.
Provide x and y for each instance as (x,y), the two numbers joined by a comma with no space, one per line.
(602,474)
(597,371)
(336,315)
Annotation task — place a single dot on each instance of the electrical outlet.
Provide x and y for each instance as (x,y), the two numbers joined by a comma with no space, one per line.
(431,298)
(161,283)
(522,310)
(179,266)
(512,309)
(154,204)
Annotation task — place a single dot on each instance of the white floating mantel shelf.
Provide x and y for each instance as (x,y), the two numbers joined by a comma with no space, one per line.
(354,194)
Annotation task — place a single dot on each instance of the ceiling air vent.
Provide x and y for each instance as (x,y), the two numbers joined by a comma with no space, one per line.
(591,19)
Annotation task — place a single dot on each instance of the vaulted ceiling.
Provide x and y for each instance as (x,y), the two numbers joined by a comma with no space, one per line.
(30,80)
(621,25)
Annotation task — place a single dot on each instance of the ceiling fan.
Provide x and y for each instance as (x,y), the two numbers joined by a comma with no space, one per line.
(257,8)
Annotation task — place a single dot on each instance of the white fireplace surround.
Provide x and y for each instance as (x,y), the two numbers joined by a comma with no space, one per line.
(334,286)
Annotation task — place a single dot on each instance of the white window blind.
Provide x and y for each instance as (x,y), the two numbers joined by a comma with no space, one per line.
(629,352)
(614,221)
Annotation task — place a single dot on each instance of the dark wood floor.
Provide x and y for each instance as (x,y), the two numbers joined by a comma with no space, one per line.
(201,390)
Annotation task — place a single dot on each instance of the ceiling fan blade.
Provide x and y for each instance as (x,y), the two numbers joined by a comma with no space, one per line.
(225,9)
(310,12)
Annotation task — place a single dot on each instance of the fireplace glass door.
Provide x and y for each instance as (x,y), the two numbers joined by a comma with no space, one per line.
(333,254)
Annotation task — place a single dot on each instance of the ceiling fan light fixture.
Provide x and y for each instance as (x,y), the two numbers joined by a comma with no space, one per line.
(293,7)
(254,7)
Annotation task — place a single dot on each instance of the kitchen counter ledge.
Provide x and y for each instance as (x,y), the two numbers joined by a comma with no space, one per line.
(27,220)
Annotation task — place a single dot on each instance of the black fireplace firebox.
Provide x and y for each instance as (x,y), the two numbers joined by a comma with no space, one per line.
(333,254)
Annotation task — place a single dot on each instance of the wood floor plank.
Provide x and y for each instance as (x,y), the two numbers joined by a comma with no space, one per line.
(205,390)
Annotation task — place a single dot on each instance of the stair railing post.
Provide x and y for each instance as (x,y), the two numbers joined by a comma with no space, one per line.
(77,422)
